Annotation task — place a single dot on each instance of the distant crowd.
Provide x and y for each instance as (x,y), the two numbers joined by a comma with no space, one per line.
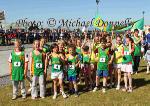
(27,37)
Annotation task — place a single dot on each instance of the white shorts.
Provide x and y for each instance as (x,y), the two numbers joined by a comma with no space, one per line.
(55,75)
(118,66)
(127,68)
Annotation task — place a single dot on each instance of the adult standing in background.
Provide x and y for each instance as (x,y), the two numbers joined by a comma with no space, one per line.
(148,38)
(137,50)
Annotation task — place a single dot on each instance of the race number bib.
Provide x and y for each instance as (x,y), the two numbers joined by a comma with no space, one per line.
(102,60)
(57,67)
(38,65)
(17,64)
(126,52)
(72,67)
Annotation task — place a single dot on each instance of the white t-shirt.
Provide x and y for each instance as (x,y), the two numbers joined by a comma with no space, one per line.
(18,53)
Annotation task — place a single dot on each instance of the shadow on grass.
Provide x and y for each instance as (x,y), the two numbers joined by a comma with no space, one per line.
(143,66)
(140,82)
(143,70)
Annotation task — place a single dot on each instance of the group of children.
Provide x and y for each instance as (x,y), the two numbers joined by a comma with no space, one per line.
(78,61)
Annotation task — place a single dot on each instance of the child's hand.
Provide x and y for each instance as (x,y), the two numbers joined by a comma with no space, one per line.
(78,63)
(110,62)
(31,76)
(25,75)
(92,66)
(141,38)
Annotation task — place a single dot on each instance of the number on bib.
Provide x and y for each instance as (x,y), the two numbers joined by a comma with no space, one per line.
(72,67)
(102,59)
(17,64)
(38,65)
(57,67)
(126,52)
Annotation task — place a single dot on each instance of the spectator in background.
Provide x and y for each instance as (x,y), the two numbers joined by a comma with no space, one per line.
(26,34)
(37,35)
(148,36)
(137,50)
(2,35)
(143,42)
(22,36)
(31,37)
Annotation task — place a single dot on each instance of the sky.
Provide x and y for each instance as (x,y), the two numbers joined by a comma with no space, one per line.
(110,10)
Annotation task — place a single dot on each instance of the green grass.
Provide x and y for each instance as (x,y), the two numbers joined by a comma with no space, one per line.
(139,97)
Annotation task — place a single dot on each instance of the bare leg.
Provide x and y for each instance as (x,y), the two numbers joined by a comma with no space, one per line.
(125,80)
(119,77)
(130,79)
(147,68)
(55,86)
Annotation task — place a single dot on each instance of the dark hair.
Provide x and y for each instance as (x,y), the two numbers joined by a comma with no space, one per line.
(118,36)
(136,30)
(104,40)
(127,36)
(130,39)
(148,29)
(78,39)
(71,46)
(86,48)
(88,37)
(107,35)
(54,45)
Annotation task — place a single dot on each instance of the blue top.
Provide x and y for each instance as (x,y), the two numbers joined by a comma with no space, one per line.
(148,38)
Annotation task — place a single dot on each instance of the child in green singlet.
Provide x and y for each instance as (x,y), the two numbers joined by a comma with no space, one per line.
(57,70)
(18,64)
(37,70)
(78,46)
(127,64)
(103,60)
(45,49)
(79,54)
(61,50)
(44,46)
(73,62)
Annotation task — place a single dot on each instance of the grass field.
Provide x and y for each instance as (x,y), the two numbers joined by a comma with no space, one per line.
(139,97)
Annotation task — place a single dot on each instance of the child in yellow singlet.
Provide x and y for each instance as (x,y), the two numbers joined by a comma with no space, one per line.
(86,68)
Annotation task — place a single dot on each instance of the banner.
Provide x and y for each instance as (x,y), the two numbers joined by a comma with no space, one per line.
(108,27)
(139,24)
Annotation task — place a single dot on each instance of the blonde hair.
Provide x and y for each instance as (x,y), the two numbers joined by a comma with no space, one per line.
(19,42)
(35,42)
(42,41)
(61,42)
